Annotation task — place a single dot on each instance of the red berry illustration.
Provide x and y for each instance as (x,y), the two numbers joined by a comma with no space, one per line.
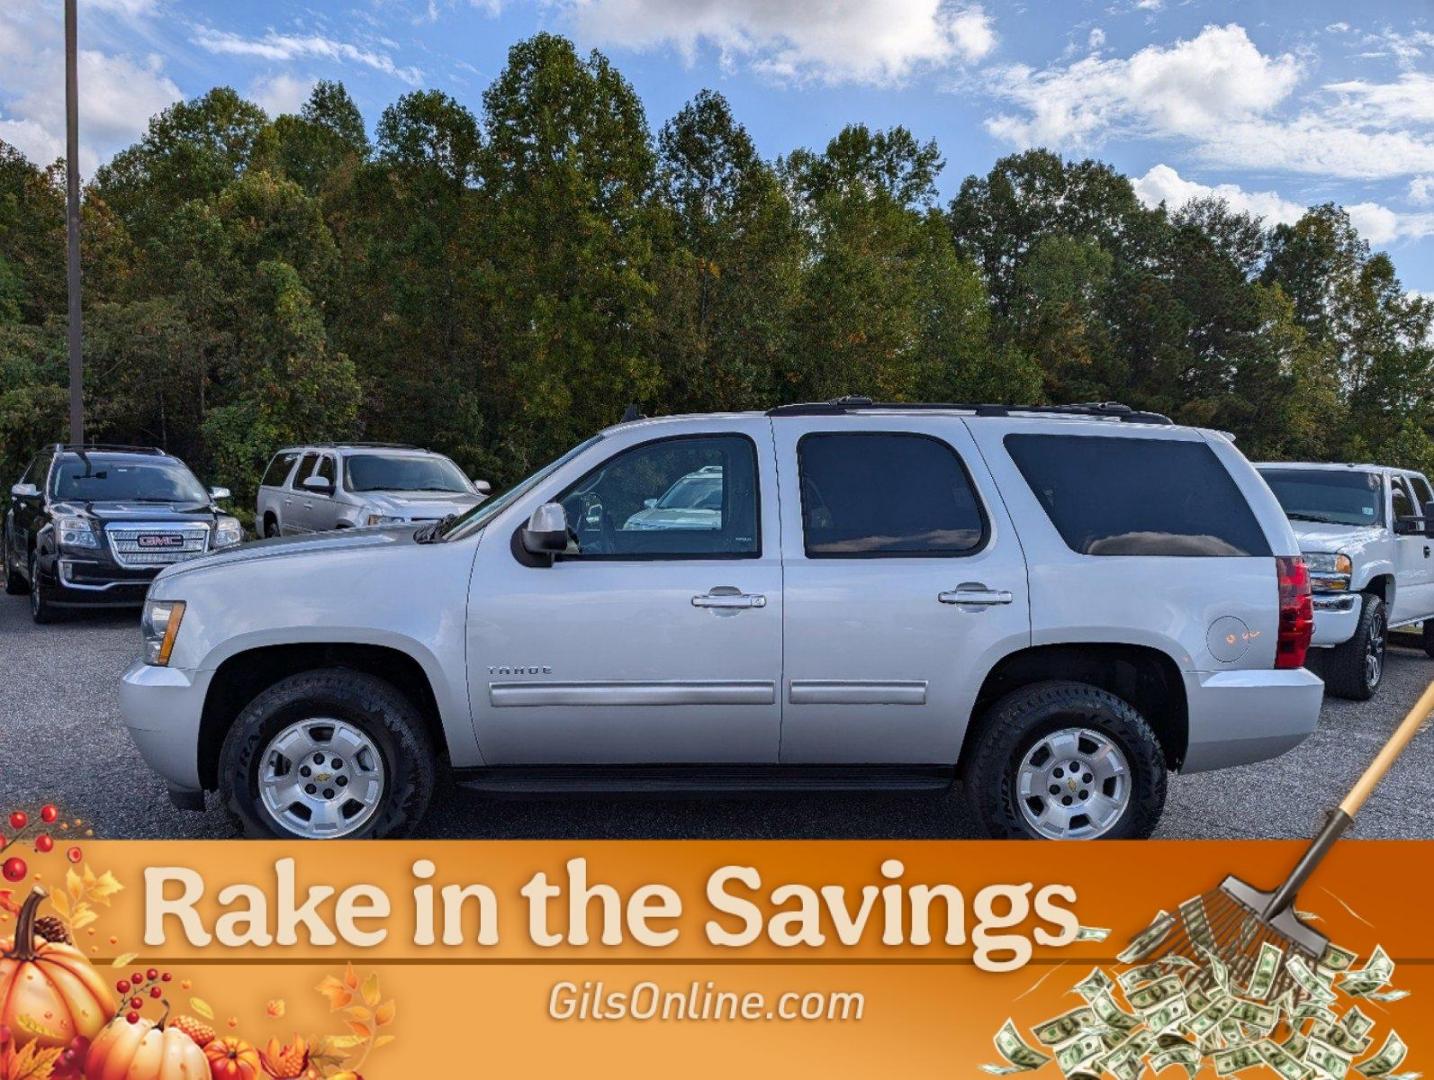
(137,978)
(48,813)
(166,977)
(122,986)
(154,992)
(136,1003)
(15,869)
(74,854)
(152,974)
(43,843)
(132,1017)
(19,819)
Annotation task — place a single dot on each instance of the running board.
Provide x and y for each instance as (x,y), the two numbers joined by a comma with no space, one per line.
(703,779)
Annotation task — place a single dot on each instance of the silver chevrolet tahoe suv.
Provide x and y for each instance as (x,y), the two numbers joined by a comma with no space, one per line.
(1051,606)
(319,488)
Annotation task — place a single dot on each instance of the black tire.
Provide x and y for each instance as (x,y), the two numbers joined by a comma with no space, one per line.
(271,526)
(1355,669)
(42,610)
(1017,722)
(15,584)
(1427,637)
(377,708)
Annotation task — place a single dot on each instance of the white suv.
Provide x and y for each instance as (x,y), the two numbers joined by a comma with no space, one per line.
(1053,605)
(318,488)
(1364,531)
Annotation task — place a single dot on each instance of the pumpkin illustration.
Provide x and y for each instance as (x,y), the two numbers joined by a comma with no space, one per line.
(232,1058)
(145,1050)
(49,993)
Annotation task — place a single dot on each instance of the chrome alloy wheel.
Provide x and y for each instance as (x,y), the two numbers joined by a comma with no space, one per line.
(1073,784)
(1374,654)
(321,778)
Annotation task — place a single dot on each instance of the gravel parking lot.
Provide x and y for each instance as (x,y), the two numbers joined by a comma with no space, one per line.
(61,739)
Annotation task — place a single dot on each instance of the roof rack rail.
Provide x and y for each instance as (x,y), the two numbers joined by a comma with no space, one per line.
(349,442)
(1109,410)
(111,447)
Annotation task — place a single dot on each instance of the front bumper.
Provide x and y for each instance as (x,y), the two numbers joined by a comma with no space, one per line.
(1336,618)
(162,708)
(77,581)
(1239,717)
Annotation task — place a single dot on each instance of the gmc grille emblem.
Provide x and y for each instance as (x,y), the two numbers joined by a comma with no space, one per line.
(159,540)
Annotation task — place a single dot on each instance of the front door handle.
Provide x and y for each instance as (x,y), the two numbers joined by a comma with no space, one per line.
(975,593)
(726,596)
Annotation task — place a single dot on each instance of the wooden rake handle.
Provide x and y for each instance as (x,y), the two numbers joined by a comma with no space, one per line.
(1407,729)
(1341,819)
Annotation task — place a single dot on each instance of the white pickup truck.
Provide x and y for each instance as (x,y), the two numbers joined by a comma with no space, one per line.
(1364,531)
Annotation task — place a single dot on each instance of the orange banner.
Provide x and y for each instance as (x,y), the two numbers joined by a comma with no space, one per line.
(627,958)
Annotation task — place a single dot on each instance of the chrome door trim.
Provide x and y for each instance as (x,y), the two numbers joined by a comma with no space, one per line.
(857,692)
(506,695)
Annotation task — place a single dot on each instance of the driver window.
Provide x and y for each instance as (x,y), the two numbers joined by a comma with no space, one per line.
(1403,504)
(677,498)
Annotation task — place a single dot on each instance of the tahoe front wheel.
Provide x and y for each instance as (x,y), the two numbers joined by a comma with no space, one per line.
(1065,761)
(327,754)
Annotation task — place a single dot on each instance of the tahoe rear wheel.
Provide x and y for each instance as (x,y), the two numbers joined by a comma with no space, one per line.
(271,526)
(1065,761)
(327,754)
(1355,669)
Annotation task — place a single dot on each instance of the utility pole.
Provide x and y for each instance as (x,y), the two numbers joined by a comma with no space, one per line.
(72,222)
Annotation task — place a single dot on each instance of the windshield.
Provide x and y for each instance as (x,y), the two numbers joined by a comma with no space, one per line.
(96,478)
(468,523)
(699,491)
(403,472)
(1333,496)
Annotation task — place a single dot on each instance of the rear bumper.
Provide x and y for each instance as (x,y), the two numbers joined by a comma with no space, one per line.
(161,707)
(1239,717)
(1336,617)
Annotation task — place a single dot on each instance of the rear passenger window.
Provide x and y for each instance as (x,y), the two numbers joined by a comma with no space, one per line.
(306,469)
(1422,494)
(278,469)
(326,469)
(1127,496)
(870,494)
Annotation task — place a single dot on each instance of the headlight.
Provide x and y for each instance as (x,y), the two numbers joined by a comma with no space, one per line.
(75,532)
(159,626)
(1329,571)
(374,518)
(227,531)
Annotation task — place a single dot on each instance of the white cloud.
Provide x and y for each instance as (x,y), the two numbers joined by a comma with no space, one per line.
(1162,184)
(857,41)
(281,93)
(276,47)
(1421,191)
(1096,38)
(1191,87)
(1230,104)
(1376,223)
(118,93)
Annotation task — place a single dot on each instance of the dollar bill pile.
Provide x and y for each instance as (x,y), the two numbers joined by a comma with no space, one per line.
(1192,1012)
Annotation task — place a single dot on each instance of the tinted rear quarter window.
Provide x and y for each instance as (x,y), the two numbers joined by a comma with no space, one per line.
(278,469)
(870,494)
(1108,495)
(306,469)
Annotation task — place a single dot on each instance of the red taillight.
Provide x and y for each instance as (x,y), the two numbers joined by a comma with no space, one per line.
(1296,612)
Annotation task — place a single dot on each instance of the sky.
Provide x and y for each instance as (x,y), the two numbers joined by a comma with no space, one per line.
(1274,106)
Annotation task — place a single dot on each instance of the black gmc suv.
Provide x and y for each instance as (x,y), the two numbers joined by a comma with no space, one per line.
(90,526)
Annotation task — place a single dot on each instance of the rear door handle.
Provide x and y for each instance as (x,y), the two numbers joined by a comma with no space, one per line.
(976,594)
(725,596)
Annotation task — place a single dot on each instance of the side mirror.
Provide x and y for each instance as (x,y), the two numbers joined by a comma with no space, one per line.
(648,504)
(318,485)
(482,486)
(217,493)
(547,531)
(24,491)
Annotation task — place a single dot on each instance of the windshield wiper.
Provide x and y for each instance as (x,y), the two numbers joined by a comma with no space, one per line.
(1312,517)
(429,534)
